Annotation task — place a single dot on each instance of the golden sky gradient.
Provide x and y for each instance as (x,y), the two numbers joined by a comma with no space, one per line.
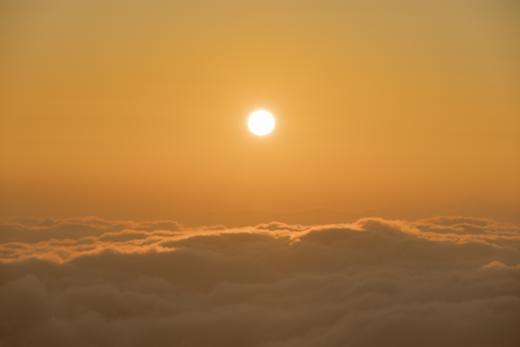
(137,109)
(138,210)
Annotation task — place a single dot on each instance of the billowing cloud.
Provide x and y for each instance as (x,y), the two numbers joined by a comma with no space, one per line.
(445,281)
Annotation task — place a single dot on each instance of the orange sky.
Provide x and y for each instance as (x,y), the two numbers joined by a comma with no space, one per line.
(404,110)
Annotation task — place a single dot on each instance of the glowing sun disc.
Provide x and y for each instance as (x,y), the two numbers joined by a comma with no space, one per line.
(261,122)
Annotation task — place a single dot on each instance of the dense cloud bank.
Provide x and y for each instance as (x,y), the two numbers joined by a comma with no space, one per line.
(88,282)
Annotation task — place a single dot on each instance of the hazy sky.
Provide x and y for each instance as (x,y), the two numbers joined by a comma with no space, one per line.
(137,210)
(137,109)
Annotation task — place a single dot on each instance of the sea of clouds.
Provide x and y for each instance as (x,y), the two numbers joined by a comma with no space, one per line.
(444,281)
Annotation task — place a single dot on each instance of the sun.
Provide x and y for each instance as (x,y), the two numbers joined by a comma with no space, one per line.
(261,122)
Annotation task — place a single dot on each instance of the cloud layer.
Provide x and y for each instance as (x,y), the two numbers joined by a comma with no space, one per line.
(445,281)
